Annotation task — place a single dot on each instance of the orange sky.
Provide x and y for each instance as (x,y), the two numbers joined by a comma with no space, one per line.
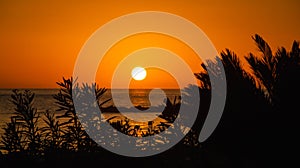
(155,78)
(39,41)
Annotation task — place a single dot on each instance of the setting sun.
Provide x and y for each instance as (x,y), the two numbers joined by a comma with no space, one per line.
(154,83)
(138,73)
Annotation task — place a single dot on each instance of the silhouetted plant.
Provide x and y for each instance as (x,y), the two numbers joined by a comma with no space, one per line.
(52,133)
(265,68)
(23,134)
(275,72)
(278,76)
(153,129)
(74,133)
(12,139)
(122,125)
(259,118)
(171,110)
(27,115)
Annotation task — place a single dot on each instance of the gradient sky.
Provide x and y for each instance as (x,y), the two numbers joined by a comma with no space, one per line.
(40,40)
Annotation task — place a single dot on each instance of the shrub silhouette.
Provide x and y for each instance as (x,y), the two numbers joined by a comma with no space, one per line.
(259,122)
(23,133)
(52,132)
(12,139)
(75,136)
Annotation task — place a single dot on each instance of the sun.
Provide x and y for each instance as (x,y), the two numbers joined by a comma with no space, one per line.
(138,73)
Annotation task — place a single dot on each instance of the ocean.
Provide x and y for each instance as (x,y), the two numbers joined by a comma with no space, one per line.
(44,101)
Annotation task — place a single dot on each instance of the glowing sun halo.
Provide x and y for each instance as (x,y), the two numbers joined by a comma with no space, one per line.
(138,73)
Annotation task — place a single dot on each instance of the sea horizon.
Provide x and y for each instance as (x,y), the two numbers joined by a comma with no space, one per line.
(45,102)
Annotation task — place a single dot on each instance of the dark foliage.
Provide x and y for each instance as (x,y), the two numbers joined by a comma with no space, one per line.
(258,127)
